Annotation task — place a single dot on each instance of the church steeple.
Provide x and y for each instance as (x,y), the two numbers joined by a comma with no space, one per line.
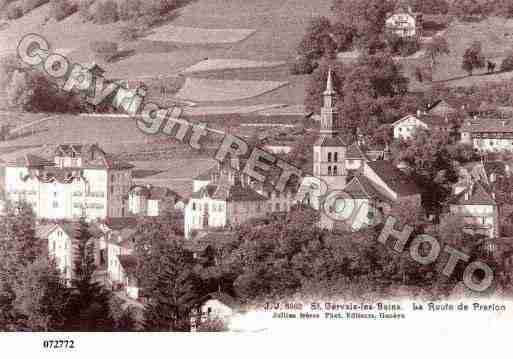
(329,115)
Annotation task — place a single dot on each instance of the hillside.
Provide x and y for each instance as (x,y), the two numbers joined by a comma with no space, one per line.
(240,30)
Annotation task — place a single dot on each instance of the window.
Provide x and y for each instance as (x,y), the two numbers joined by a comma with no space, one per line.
(335,170)
(329,170)
(329,156)
(335,157)
(55,204)
(53,246)
(193,206)
(277,207)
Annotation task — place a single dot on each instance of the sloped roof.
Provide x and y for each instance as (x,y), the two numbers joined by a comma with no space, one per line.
(355,152)
(329,141)
(206,175)
(211,238)
(475,195)
(118,223)
(30,160)
(154,192)
(487,125)
(43,230)
(224,190)
(224,298)
(394,178)
(361,187)
(128,262)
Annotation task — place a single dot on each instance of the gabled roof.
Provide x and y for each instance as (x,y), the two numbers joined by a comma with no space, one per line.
(225,191)
(68,227)
(475,195)
(394,178)
(44,230)
(329,141)
(355,152)
(361,187)
(30,160)
(224,298)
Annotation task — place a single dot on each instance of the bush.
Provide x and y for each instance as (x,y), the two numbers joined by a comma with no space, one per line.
(14,12)
(104,50)
(29,5)
(61,9)
(507,63)
(302,66)
(106,12)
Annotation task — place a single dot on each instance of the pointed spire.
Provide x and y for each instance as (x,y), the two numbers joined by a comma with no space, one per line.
(329,84)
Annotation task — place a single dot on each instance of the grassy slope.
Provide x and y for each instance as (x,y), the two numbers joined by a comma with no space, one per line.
(496,45)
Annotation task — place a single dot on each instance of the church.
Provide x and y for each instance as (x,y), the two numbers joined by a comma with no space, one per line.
(374,185)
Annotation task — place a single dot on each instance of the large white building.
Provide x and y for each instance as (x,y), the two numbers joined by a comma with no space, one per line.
(222,200)
(78,180)
(488,135)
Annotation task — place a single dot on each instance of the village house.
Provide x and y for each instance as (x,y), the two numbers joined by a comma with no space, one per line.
(406,127)
(488,135)
(217,308)
(61,237)
(448,106)
(148,200)
(121,262)
(79,180)
(403,22)
(223,200)
(478,209)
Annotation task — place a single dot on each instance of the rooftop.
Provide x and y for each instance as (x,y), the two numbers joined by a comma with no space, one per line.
(394,178)
(487,125)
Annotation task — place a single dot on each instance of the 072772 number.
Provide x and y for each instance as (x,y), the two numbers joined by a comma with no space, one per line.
(59,344)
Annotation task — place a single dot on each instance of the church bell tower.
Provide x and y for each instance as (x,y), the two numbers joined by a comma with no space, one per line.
(329,150)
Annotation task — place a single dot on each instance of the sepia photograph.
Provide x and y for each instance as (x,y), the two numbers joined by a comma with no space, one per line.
(191,173)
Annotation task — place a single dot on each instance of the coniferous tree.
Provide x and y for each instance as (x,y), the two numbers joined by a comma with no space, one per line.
(89,305)
(173,286)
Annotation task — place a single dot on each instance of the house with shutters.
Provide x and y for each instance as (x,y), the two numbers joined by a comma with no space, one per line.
(406,127)
(61,238)
(226,199)
(488,135)
(149,200)
(403,22)
(70,181)
(476,205)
